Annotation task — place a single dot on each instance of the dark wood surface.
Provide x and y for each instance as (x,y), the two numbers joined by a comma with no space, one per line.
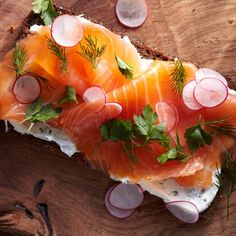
(200,31)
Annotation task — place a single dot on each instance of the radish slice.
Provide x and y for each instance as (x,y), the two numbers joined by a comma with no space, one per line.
(94,94)
(116,212)
(209,73)
(131,13)
(210,92)
(188,96)
(168,114)
(26,89)
(184,211)
(126,196)
(67,30)
(114,110)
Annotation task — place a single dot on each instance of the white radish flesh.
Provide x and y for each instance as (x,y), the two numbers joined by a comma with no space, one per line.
(131,13)
(94,94)
(188,97)
(126,196)
(203,73)
(26,89)
(67,30)
(167,114)
(116,212)
(184,211)
(210,92)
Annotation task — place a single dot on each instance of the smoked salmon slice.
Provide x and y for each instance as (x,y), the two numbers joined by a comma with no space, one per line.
(124,99)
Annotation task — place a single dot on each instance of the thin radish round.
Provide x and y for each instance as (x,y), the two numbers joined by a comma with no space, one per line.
(116,212)
(168,114)
(210,92)
(188,97)
(26,89)
(131,13)
(126,196)
(67,30)
(184,210)
(114,110)
(203,73)
(94,94)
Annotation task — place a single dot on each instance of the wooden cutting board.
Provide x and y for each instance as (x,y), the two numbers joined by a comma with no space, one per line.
(200,31)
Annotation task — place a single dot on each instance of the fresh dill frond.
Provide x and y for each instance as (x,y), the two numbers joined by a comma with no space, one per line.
(226,177)
(59,52)
(19,59)
(178,76)
(222,126)
(92,51)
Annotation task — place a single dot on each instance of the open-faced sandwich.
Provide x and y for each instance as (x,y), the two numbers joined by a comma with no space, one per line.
(158,125)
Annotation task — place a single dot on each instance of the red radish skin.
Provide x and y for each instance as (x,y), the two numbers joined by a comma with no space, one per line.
(210,92)
(184,210)
(126,196)
(168,114)
(203,73)
(67,30)
(113,211)
(26,89)
(188,97)
(131,13)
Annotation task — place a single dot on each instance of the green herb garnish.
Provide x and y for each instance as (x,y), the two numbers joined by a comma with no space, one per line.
(59,52)
(38,111)
(45,9)
(202,133)
(174,153)
(222,127)
(91,50)
(226,177)
(124,68)
(139,133)
(178,76)
(19,60)
(69,96)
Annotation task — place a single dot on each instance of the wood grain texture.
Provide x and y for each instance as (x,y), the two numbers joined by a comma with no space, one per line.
(200,31)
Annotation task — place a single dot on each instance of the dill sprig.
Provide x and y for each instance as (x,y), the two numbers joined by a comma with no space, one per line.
(222,126)
(19,59)
(59,52)
(226,177)
(92,51)
(178,76)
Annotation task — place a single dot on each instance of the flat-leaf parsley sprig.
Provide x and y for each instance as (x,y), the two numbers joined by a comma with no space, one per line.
(140,132)
(202,133)
(45,9)
(40,112)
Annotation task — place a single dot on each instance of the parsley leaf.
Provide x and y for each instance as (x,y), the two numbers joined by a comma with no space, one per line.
(38,111)
(169,155)
(197,137)
(174,153)
(116,130)
(124,68)
(45,9)
(69,96)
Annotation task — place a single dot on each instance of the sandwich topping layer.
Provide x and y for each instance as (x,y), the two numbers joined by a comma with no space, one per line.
(125,113)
